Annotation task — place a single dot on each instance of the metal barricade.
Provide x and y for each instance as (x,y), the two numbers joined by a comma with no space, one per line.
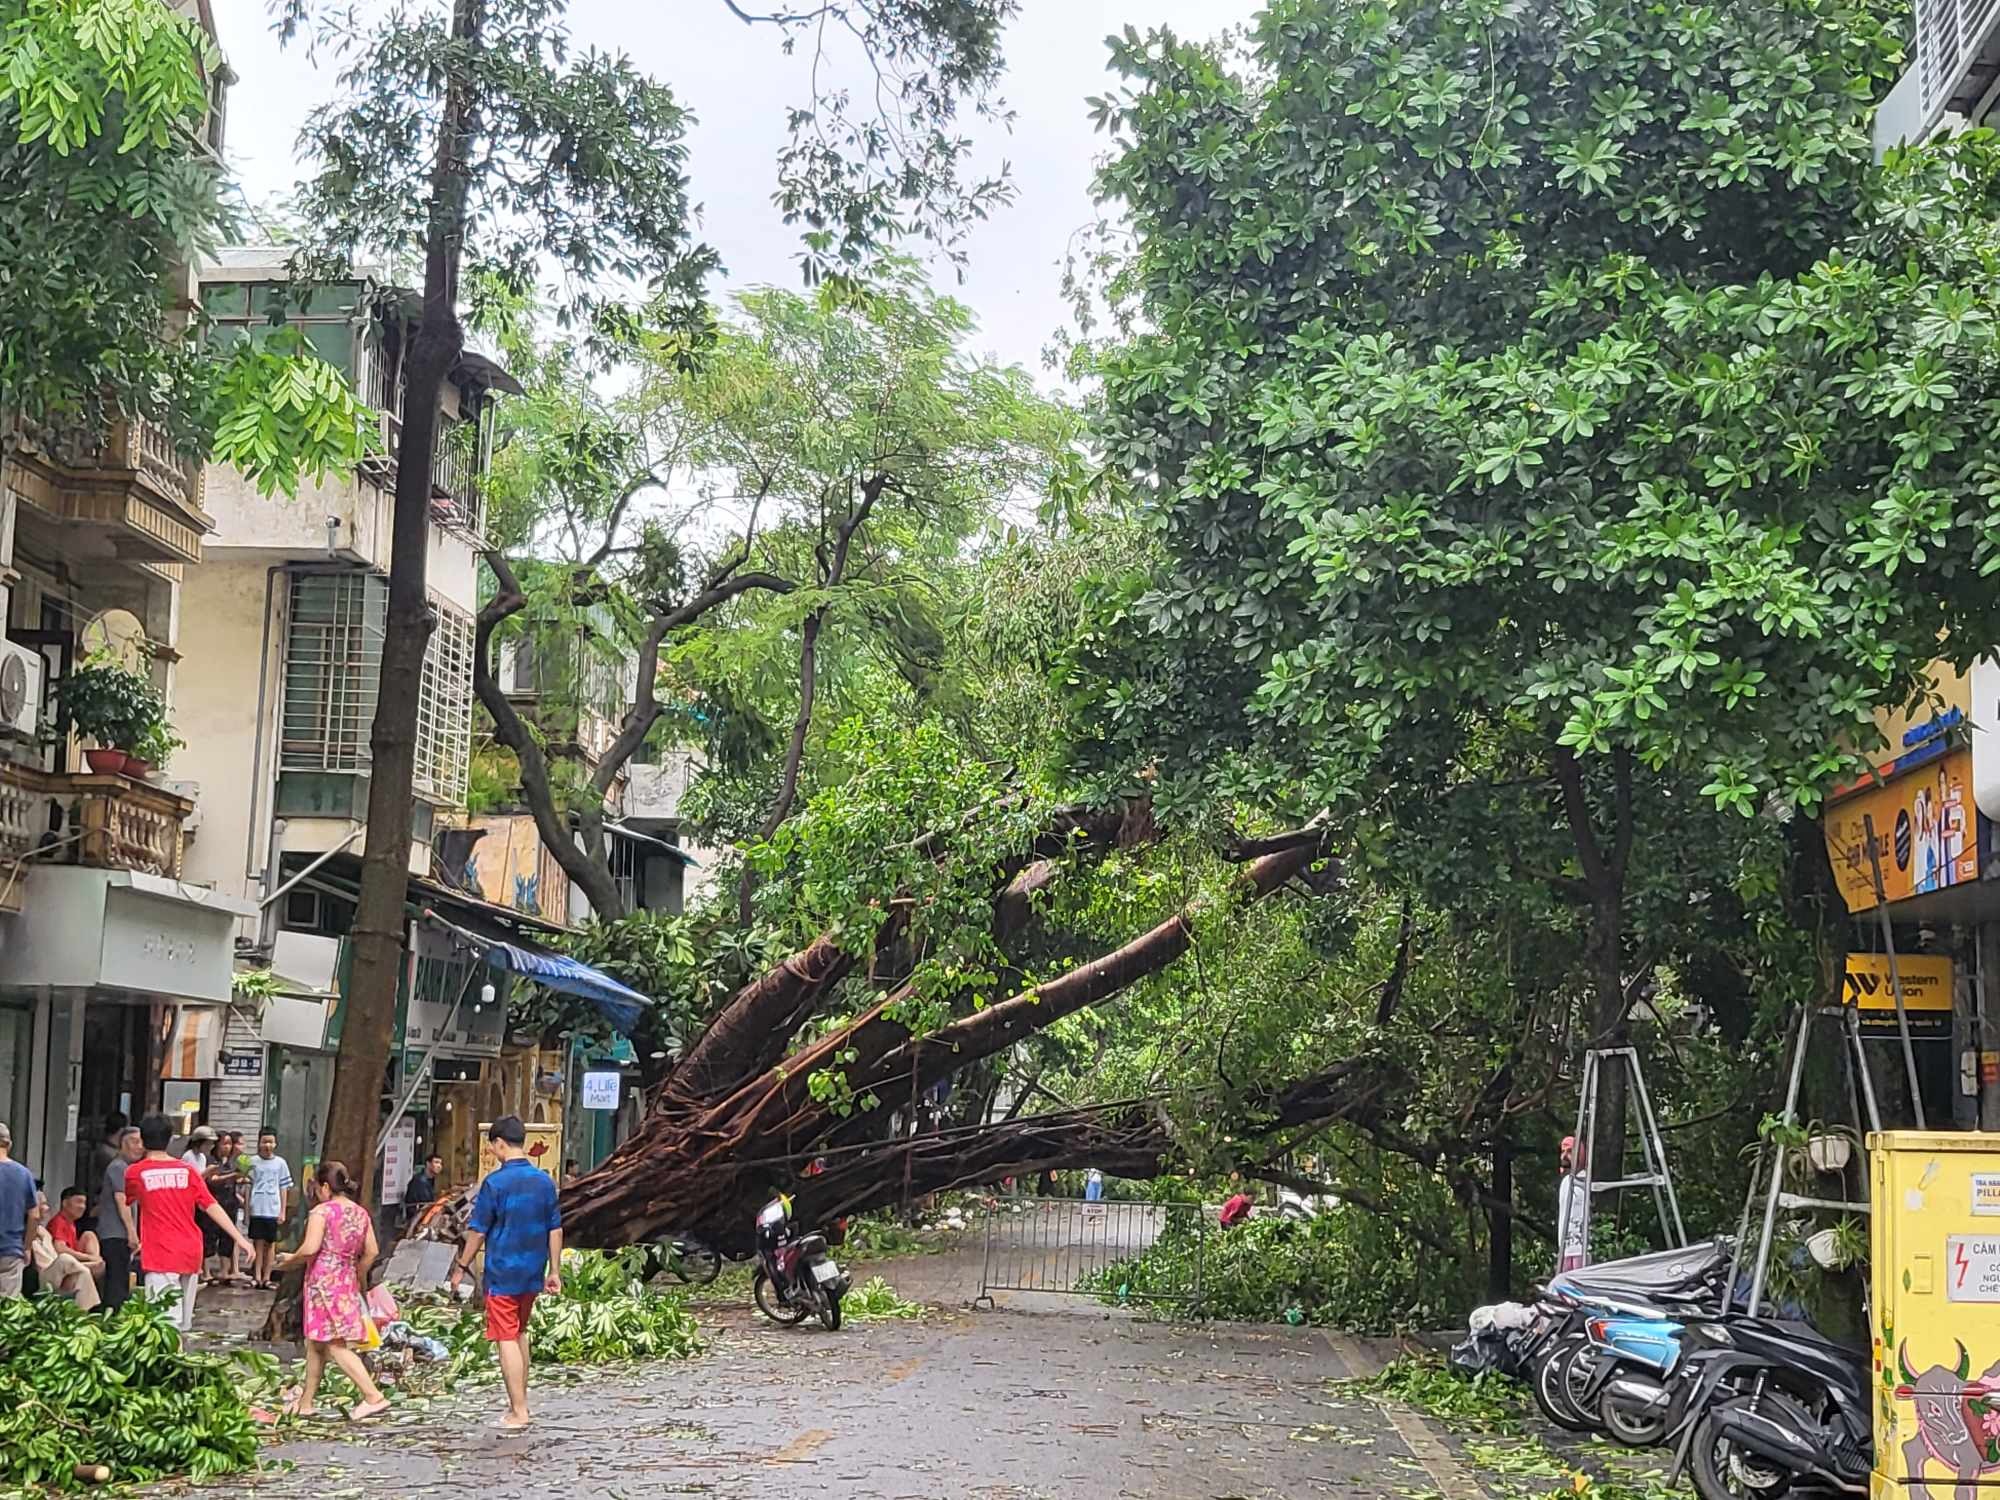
(1068,1246)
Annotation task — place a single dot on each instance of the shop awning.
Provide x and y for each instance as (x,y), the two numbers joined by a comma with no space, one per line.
(618,1004)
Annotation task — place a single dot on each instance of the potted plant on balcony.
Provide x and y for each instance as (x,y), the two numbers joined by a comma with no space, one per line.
(105,700)
(152,748)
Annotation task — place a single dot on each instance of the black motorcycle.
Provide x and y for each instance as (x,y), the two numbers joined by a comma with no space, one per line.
(796,1276)
(684,1258)
(1760,1404)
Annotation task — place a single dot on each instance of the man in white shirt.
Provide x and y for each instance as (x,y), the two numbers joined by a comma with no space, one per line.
(1572,1211)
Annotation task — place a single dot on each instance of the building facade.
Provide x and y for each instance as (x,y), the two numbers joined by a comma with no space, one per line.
(288,612)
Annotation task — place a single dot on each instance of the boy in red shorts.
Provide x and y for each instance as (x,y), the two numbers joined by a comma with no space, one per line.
(516,1219)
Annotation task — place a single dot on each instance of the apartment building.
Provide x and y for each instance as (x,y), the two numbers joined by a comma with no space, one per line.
(1953,80)
(287,611)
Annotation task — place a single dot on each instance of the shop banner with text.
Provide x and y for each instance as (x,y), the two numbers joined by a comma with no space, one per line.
(1926,833)
(1926,992)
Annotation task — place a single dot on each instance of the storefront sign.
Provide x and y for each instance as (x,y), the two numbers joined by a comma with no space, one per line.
(544,1147)
(1926,833)
(1926,992)
(600,1090)
(122,930)
(399,1152)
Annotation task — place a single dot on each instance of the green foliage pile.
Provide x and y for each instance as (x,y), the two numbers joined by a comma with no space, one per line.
(1488,1402)
(1340,1269)
(605,1315)
(115,1389)
(875,1299)
(1513,1464)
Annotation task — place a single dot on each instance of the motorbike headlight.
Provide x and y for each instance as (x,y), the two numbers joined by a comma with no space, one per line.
(1716,1333)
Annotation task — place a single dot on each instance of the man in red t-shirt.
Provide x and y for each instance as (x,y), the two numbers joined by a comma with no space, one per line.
(164,1195)
(63,1230)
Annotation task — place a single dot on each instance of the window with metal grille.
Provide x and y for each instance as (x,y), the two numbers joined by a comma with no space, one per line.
(622,855)
(444,708)
(333,665)
(333,662)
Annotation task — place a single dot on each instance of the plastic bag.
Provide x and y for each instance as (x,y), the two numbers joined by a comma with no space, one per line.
(401,1335)
(371,1336)
(382,1305)
(1479,1353)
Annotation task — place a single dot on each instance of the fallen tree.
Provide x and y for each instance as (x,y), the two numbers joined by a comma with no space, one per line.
(747,1114)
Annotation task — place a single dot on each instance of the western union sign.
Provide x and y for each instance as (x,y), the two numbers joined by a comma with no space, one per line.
(1926,992)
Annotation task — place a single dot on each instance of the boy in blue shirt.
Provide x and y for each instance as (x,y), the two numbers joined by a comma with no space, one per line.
(516,1220)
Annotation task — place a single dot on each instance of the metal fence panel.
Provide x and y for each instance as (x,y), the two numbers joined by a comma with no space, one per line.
(1069,1246)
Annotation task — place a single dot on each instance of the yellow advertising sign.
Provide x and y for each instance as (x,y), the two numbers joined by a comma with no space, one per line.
(544,1150)
(1925,833)
(1926,992)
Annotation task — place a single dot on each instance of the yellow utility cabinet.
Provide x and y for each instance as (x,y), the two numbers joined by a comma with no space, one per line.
(1935,1240)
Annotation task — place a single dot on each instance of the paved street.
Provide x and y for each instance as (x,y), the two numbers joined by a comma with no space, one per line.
(1059,1401)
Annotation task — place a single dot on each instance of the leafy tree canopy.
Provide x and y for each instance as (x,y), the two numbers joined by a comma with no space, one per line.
(112,194)
(1565,368)
(772,520)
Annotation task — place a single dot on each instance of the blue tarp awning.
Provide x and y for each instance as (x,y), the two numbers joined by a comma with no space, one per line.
(617,1003)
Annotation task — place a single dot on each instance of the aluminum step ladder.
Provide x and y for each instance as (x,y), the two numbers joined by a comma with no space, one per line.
(1654,1173)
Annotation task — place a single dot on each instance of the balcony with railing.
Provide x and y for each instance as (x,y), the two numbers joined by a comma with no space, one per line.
(455,482)
(101,822)
(131,496)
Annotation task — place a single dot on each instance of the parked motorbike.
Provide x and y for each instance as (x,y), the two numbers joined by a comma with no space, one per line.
(796,1276)
(1567,1374)
(1626,1382)
(1762,1404)
(685,1258)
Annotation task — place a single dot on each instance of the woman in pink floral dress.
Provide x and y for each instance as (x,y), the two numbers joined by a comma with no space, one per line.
(338,1248)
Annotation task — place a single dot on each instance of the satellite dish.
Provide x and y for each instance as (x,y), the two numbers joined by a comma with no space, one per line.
(119,635)
(13,688)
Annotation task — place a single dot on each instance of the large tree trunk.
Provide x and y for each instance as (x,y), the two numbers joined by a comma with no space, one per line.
(706,1168)
(1500,1225)
(379,922)
(697,1184)
(1604,863)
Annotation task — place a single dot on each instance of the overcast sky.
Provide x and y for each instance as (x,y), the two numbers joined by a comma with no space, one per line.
(738,84)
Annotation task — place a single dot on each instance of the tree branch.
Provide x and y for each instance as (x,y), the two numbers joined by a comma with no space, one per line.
(1576,807)
(592,874)
(1621,808)
(645,710)
(835,573)
(1399,972)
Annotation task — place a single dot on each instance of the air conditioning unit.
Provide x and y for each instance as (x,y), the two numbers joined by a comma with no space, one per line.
(1958,56)
(20,690)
